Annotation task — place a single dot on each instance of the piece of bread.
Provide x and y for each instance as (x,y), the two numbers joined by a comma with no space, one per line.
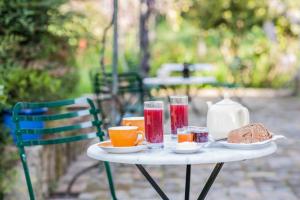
(251,133)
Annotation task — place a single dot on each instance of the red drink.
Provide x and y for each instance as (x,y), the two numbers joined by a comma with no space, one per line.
(154,124)
(179,117)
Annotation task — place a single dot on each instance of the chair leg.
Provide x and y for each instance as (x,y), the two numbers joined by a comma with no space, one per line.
(110,181)
(26,172)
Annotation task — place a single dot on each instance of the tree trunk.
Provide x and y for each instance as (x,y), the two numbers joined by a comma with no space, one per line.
(115,50)
(115,64)
(146,9)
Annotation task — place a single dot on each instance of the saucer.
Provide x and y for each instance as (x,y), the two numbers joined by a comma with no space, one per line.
(107,146)
(186,148)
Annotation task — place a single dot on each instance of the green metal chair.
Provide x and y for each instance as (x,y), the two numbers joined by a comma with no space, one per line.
(58,131)
(131,92)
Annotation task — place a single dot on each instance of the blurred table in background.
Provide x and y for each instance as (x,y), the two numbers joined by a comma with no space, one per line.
(165,80)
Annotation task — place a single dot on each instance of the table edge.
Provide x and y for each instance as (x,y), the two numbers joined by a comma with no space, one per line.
(188,162)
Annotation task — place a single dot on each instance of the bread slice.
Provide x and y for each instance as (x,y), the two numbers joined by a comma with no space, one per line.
(251,133)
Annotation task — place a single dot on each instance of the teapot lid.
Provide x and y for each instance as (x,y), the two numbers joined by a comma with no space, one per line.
(227,101)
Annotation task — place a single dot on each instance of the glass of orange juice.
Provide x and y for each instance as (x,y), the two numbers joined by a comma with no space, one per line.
(184,135)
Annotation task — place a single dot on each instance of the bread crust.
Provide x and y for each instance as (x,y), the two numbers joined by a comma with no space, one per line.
(251,133)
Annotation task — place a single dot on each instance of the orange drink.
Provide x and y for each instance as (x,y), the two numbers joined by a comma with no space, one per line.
(184,135)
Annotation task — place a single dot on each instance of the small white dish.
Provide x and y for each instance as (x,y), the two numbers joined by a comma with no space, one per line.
(107,146)
(186,148)
(257,145)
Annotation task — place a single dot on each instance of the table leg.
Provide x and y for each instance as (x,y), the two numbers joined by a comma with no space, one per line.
(187,182)
(210,181)
(152,182)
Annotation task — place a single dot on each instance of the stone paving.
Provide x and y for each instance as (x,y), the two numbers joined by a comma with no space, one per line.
(276,177)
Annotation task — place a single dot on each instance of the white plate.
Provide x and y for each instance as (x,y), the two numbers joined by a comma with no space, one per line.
(107,146)
(257,145)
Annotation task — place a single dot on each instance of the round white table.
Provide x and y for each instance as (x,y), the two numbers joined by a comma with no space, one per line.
(215,154)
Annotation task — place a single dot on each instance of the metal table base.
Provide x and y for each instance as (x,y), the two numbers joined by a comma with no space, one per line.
(204,191)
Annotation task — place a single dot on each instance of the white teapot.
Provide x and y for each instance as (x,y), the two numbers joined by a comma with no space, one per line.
(224,116)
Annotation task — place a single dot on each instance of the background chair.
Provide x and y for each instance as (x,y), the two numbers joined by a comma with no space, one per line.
(58,135)
(130,98)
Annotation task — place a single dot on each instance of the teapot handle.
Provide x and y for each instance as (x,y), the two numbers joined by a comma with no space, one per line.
(244,116)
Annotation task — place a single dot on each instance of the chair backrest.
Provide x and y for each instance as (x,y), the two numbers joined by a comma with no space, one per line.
(57,131)
(130,95)
(130,82)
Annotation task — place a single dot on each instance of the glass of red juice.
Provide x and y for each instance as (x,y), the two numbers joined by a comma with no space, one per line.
(179,113)
(154,123)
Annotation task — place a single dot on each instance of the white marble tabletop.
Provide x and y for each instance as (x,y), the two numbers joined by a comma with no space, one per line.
(209,155)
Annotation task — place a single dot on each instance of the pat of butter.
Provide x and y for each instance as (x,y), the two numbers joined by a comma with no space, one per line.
(186,145)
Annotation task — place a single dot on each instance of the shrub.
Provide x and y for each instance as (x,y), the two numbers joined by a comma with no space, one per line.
(33,85)
(37,49)
(25,36)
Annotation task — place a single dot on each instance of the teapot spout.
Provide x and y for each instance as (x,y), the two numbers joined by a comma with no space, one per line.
(209,104)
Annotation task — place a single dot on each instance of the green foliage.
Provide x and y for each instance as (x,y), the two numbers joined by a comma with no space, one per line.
(3,98)
(229,34)
(34,85)
(36,49)
(236,15)
(29,32)
(172,46)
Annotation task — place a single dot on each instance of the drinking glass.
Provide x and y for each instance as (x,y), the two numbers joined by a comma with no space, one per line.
(153,114)
(178,113)
(184,135)
(200,134)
